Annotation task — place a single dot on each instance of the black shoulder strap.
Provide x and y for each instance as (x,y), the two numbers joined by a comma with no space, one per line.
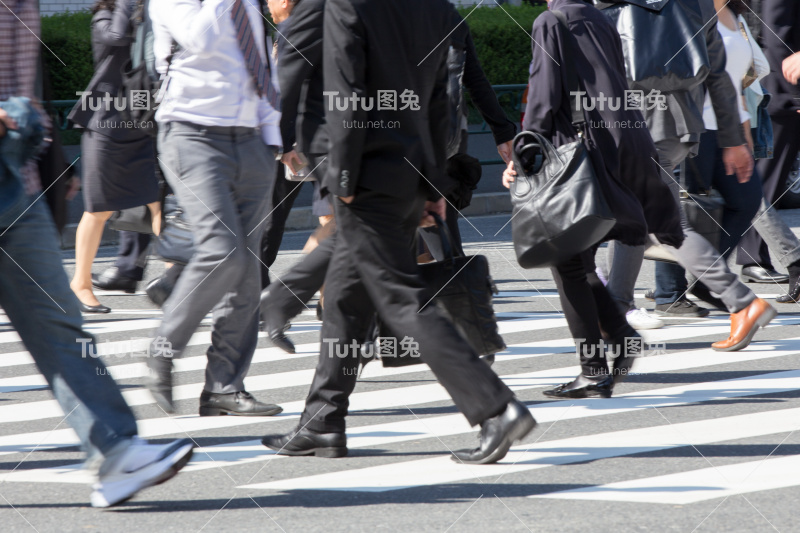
(573,81)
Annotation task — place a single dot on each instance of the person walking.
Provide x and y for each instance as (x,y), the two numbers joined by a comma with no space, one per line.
(35,294)
(218,133)
(780,40)
(118,161)
(376,176)
(675,129)
(624,160)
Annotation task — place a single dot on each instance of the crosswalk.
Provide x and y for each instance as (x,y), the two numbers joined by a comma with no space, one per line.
(708,389)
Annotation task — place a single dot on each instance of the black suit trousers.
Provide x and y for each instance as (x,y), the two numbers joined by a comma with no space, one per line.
(132,254)
(374,268)
(283,196)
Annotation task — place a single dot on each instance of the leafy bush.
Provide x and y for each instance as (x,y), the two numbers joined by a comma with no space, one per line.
(68,35)
(502,40)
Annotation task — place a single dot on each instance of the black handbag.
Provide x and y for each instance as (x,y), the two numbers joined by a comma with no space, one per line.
(175,243)
(462,288)
(137,219)
(704,212)
(558,206)
(660,42)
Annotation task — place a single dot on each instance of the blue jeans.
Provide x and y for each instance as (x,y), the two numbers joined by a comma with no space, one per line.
(35,293)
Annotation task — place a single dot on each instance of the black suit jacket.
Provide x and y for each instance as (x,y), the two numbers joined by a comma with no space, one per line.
(782,18)
(111,39)
(387,45)
(300,77)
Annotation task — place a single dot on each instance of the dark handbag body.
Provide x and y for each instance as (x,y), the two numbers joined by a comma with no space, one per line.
(704,213)
(137,219)
(661,43)
(462,288)
(175,243)
(558,205)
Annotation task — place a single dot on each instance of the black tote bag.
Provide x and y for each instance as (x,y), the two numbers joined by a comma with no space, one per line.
(462,288)
(558,206)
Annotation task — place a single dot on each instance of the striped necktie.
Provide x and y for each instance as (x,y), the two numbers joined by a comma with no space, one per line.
(252,59)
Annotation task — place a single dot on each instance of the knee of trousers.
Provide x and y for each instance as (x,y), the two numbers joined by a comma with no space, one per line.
(229,261)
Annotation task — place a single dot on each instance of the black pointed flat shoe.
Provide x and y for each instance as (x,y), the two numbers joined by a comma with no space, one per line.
(498,434)
(584,387)
(102,309)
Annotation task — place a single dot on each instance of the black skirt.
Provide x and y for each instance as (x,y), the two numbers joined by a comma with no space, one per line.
(117,174)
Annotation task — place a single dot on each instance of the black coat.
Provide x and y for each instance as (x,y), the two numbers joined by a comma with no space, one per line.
(625,157)
(782,17)
(300,77)
(371,46)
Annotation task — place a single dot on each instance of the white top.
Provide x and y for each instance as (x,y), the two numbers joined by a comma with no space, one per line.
(208,82)
(739,58)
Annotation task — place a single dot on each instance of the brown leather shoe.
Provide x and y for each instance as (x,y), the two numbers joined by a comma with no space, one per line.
(744,325)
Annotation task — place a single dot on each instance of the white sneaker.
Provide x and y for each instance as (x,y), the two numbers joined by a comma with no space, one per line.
(641,319)
(137,467)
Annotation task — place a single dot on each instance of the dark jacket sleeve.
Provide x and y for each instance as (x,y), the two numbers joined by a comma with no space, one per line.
(545,88)
(484,97)
(344,72)
(723,94)
(780,37)
(300,52)
(113,29)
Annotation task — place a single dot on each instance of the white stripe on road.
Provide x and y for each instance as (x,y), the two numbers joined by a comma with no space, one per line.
(527,457)
(694,486)
(429,427)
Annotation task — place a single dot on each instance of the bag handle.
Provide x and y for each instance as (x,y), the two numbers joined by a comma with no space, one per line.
(573,80)
(446,238)
(531,139)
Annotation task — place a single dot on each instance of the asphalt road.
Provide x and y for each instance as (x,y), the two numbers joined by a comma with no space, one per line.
(695,441)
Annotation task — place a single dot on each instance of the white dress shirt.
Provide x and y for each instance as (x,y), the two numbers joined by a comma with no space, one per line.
(209,83)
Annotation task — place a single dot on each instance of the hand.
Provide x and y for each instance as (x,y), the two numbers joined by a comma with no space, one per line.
(293,161)
(73,186)
(505,150)
(438,207)
(508,175)
(738,160)
(346,199)
(791,68)
(6,123)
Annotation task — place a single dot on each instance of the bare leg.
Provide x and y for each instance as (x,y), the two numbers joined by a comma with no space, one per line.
(87,241)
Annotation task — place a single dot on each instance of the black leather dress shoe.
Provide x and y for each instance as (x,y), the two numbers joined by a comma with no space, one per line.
(584,387)
(757,274)
(273,325)
(498,434)
(239,403)
(111,280)
(158,290)
(159,381)
(307,442)
(93,308)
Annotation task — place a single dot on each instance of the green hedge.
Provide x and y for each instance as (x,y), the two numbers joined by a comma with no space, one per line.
(503,45)
(68,35)
(502,40)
